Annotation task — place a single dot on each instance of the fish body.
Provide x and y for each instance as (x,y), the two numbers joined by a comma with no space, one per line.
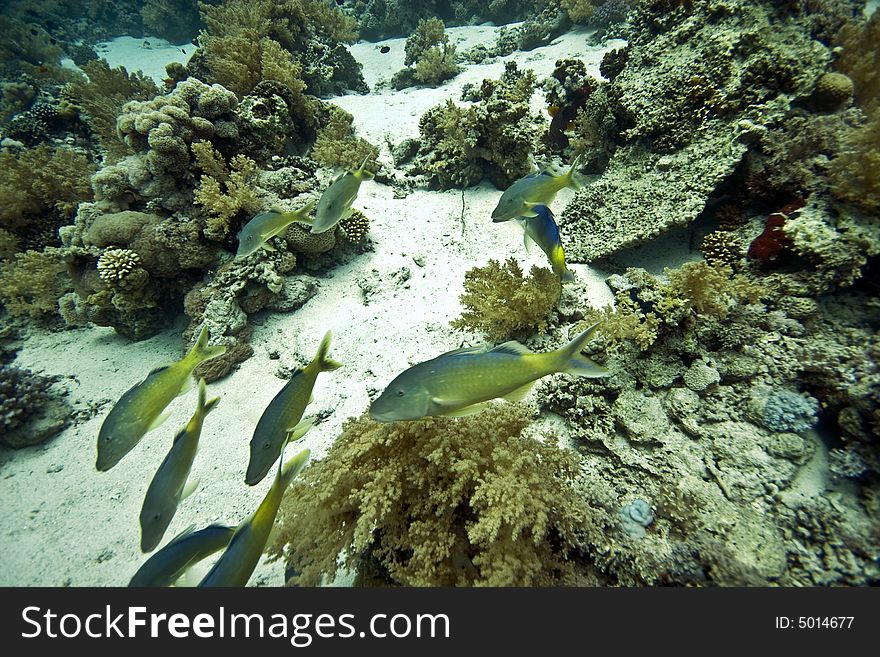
(284,413)
(236,565)
(140,409)
(185,549)
(543,231)
(335,202)
(538,188)
(460,382)
(167,487)
(257,232)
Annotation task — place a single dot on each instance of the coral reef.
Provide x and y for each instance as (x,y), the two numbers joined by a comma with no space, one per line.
(417,504)
(338,146)
(31,283)
(502,303)
(699,83)
(492,138)
(174,20)
(32,409)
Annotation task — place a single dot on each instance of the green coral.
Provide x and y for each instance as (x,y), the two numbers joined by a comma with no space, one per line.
(492,138)
(32,282)
(439,502)
(430,57)
(338,146)
(502,303)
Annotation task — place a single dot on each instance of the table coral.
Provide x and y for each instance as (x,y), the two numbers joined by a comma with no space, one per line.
(417,504)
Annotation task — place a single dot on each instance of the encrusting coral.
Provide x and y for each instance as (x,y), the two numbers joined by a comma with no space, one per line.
(502,303)
(440,502)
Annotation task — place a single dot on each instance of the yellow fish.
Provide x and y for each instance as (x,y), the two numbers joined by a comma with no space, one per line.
(141,408)
(169,485)
(462,382)
(538,188)
(261,228)
(335,203)
(168,564)
(236,565)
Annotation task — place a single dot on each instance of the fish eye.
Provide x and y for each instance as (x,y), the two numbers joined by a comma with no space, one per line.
(157,516)
(400,393)
(267,445)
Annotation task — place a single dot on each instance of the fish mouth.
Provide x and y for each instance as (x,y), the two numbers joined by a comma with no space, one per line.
(252,478)
(381,417)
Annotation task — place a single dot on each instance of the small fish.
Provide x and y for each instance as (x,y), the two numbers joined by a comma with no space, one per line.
(266,225)
(169,484)
(544,232)
(538,188)
(141,408)
(335,203)
(284,413)
(461,382)
(172,561)
(236,565)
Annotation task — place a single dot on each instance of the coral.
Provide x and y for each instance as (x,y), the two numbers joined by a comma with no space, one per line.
(567,91)
(493,138)
(502,303)
(355,226)
(31,411)
(174,20)
(786,410)
(700,375)
(578,11)
(722,247)
(772,241)
(121,268)
(40,182)
(224,192)
(338,146)
(833,91)
(429,55)
(855,172)
(301,239)
(860,59)
(635,517)
(101,96)
(698,85)
(32,282)
(417,504)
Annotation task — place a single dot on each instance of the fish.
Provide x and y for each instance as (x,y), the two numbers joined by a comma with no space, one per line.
(169,484)
(284,413)
(236,565)
(257,232)
(142,407)
(462,382)
(543,231)
(187,548)
(537,188)
(335,202)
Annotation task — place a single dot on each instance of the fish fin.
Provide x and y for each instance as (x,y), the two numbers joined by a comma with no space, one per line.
(311,398)
(155,424)
(511,347)
(467,410)
(529,211)
(186,386)
(572,361)
(362,172)
(268,246)
(201,350)
(325,364)
(566,276)
(528,242)
(520,393)
(298,431)
(302,213)
(479,349)
(295,465)
(275,209)
(156,370)
(189,488)
(569,176)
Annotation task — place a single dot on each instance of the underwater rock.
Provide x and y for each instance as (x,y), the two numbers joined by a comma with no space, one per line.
(31,410)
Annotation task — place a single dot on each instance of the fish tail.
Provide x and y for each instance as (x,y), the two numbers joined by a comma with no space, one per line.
(565,275)
(202,351)
(293,467)
(325,364)
(569,177)
(571,361)
(206,405)
(362,172)
(301,215)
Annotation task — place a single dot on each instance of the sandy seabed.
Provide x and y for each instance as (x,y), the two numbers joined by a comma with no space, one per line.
(63,523)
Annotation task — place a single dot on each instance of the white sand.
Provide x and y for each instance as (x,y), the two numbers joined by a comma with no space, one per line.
(64,523)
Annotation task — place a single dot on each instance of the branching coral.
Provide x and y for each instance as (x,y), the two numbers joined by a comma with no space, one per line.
(502,303)
(338,146)
(224,192)
(439,502)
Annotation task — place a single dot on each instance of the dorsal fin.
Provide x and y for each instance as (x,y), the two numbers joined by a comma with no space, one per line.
(512,347)
(156,370)
(479,349)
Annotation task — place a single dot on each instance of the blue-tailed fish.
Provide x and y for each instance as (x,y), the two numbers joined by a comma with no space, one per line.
(543,231)
(462,382)
(284,412)
(142,408)
(335,203)
(538,188)
(187,548)
(236,565)
(169,484)
(261,228)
